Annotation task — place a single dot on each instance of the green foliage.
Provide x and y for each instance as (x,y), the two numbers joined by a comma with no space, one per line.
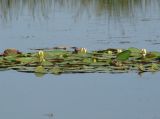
(123,56)
(67,61)
(134,50)
(46,63)
(25,60)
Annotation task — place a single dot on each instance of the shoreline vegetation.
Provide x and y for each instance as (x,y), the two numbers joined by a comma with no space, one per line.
(10,9)
(59,60)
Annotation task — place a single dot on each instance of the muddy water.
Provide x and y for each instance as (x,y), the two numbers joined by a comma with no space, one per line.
(93,24)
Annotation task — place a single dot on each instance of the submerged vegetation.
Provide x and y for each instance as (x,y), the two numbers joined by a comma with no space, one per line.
(78,60)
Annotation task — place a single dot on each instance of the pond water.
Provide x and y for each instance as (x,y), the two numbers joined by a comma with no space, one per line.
(93,24)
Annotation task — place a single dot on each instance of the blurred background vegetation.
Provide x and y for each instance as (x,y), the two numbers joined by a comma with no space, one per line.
(42,8)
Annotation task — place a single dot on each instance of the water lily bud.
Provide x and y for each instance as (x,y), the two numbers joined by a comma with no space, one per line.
(144,52)
(119,50)
(94,60)
(83,50)
(41,56)
(41,53)
(61,56)
(109,52)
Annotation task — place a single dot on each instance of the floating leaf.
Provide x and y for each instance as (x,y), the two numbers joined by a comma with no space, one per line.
(132,49)
(56,52)
(153,55)
(157,54)
(46,63)
(135,52)
(25,60)
(10,58)
(87,60)
(123,56)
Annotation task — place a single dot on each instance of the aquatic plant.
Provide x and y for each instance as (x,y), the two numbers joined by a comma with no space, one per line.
(79,60)
(41,56)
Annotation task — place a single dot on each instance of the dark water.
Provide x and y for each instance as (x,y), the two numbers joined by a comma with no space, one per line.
(94,24)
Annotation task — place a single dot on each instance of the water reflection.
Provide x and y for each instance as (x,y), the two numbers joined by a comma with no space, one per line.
(42,8)
(126,23)
(14,8)
(50,115)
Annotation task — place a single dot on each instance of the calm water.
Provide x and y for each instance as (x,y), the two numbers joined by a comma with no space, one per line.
(94,24)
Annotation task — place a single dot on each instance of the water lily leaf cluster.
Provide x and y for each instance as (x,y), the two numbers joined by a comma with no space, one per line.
(79,60)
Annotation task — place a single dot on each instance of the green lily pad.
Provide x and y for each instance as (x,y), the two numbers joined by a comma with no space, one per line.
(46,63)
(123,56)
(153,55)
(25,60)
(135,50)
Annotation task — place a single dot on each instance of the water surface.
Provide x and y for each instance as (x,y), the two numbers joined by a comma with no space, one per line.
(93,24)
(80,96)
